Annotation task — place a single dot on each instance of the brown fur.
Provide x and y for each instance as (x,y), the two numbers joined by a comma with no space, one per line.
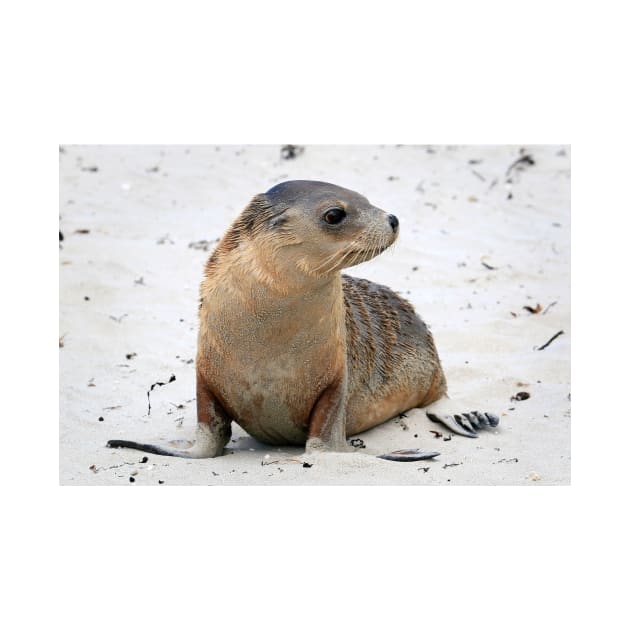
(291,350)
(392,361)
(378,346)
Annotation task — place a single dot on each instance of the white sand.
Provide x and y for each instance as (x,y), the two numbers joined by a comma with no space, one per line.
(145,205)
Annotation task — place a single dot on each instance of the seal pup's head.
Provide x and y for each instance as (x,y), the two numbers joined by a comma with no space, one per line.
(308,228)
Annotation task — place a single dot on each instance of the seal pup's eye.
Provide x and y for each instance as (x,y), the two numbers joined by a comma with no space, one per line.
(334,216)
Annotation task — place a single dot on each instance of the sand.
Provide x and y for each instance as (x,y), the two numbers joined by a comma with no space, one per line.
(479,242)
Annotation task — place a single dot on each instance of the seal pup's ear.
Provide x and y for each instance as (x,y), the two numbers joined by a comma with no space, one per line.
(250,222)
(261,214)
(257,212)
(278,220)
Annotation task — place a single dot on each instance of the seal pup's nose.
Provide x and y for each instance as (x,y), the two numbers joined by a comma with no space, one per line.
(393,221)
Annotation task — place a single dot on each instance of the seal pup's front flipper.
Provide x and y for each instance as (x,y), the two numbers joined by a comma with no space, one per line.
(214,429)
(209,442)
(149,448)
(327,422)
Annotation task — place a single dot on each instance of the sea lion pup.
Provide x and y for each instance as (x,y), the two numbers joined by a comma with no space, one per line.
(293,351)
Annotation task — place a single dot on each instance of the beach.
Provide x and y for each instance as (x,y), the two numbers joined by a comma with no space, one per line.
(483,255)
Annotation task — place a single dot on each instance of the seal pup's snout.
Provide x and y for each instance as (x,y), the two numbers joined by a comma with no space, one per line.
(393,221)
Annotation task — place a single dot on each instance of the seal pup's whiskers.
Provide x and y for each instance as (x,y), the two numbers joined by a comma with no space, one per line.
(334,260)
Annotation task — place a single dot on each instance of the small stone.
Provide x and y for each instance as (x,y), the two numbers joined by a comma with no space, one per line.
(520,396)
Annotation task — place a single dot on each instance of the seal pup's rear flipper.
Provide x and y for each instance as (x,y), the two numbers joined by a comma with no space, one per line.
(456,416)
(151,448)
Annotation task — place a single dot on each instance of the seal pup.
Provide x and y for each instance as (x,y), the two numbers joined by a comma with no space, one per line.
(297,353)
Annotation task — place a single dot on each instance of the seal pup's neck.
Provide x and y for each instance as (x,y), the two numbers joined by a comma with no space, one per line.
(251,269)
(245,306)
